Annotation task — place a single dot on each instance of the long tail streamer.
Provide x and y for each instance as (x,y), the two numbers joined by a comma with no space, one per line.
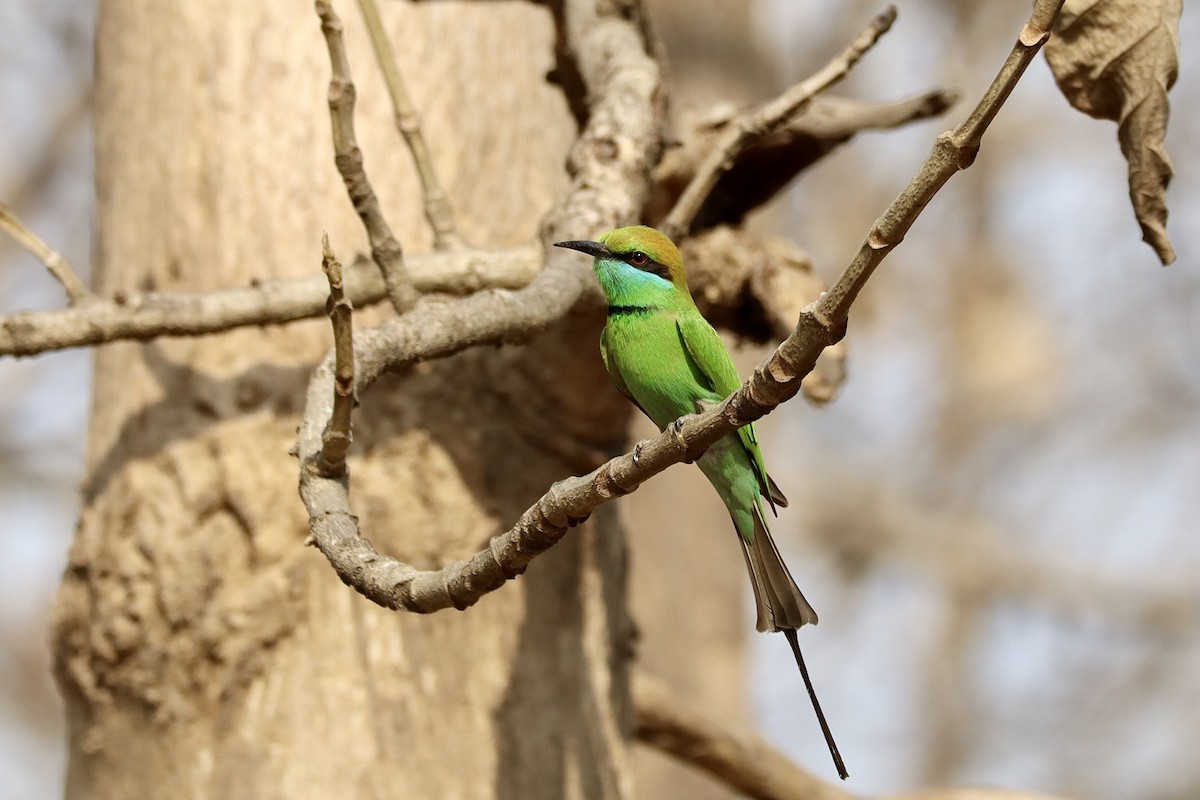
(790,633)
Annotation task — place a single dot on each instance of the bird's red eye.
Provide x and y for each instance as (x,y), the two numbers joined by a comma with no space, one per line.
(639,259)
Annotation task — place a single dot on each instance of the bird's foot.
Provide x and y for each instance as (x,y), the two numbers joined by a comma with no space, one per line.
(677,431)
(637,452)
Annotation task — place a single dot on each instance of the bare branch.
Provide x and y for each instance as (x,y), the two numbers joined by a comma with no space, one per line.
(736,758)
(746,763)
(58,266)
(765,119)
(768,165)
(742,281)
(838,118)
(609,186)
(385,250)
(408,122)
(152,314)
(336,439)
(955,150)
(394,584)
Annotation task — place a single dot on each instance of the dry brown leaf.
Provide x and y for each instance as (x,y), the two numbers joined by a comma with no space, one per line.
(1116,59)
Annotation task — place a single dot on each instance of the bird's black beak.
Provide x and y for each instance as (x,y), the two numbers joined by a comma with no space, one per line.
(593,249)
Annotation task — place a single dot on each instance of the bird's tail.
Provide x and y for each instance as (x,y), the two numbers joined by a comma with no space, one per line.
(816,704)
(781,607)
(780,604)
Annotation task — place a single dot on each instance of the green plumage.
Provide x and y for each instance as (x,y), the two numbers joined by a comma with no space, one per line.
(666,358)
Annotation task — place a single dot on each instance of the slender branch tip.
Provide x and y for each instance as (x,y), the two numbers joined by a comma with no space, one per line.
(51,259)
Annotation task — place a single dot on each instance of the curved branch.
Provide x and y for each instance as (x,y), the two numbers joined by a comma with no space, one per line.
(737,758)
(394,584)
(610,165)
(745,762)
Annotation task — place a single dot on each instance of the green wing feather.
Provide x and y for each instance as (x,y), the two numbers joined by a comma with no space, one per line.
(614,374)
(711,361)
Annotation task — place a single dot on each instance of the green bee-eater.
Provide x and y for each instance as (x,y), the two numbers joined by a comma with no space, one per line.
(665,357)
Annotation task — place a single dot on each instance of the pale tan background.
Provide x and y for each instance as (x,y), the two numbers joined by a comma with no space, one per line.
(996,519)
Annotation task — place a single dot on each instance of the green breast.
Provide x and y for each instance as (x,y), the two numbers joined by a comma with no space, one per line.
(645,348)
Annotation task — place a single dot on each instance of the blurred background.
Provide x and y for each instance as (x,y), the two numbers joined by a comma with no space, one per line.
(996,518)
(46,177)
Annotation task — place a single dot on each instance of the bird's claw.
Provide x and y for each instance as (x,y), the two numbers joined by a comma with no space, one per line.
(637,452)
(677,431)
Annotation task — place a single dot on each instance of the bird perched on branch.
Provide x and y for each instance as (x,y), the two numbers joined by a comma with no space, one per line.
(665,357)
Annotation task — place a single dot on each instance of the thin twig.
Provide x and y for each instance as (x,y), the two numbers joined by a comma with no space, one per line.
(838,118)
(765,119)
(58,266)
(152,314)
(338,435)
(769,165)
(408,122)
(385,249)
(394,584)
(955,150)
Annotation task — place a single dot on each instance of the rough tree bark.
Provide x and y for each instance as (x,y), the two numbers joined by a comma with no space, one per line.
(202,650)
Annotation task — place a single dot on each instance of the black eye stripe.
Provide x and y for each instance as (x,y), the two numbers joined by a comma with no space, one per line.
(649,265)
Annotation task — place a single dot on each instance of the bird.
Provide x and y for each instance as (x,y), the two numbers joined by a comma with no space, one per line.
(665,357)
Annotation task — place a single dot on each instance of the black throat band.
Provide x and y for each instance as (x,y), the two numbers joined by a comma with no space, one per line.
(616,311)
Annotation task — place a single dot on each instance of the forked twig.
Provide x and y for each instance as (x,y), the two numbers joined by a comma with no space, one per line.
(955,150)
(437,205)
(144,315)
(765,119)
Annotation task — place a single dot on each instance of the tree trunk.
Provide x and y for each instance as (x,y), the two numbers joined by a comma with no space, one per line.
(202,649)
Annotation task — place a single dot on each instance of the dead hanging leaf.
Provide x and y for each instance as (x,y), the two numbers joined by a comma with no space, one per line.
(1116,59)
